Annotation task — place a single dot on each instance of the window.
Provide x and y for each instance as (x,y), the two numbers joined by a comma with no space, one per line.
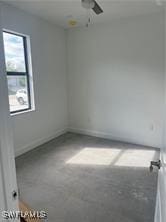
(16,59)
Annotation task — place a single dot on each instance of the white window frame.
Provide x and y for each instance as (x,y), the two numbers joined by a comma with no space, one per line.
(30,73)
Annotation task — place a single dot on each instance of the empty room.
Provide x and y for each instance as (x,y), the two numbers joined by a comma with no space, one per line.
(83,111)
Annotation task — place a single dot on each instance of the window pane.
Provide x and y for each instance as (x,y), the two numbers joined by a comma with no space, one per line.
(18,93)
(14,53)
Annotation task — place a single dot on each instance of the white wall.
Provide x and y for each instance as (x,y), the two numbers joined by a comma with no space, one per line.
(115,75)
(48,44)
(115,79)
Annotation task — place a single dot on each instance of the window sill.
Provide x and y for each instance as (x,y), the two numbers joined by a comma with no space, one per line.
(22,112)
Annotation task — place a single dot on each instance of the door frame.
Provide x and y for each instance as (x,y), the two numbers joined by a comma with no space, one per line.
(160,213)
(8,182)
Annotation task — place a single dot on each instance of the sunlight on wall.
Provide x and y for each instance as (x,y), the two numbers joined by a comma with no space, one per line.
(111,156)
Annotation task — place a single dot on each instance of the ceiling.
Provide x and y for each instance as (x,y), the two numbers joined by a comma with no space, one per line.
(60,12)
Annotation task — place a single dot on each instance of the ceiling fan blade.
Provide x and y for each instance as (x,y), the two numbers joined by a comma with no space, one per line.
(97,9)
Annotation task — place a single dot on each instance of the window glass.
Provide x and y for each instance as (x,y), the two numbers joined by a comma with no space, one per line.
(17,72)
(14,52)
(18,93)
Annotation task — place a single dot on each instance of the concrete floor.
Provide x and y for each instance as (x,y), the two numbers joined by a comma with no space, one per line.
(77,178)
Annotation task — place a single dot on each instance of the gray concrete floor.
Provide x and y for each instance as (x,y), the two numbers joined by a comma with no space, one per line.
(77,178)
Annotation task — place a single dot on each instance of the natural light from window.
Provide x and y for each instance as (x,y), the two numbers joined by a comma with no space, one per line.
(112,156)
(14,52)
(136,158)
(16,58)
(94,156)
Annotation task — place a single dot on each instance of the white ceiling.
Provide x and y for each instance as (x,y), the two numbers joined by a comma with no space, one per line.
(61,11)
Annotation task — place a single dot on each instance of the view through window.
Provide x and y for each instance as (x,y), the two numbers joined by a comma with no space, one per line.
(15,47)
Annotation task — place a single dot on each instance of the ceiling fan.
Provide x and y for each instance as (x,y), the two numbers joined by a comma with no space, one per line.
(92,4)
(87,4)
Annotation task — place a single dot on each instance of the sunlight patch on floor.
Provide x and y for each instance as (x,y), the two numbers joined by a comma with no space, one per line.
(116,157)
(94,156)
(136,158)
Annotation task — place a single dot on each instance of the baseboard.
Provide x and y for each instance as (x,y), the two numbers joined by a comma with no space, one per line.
(107,136)
(39,142)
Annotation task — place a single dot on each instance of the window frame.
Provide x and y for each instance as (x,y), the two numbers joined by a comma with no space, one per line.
(26,73)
